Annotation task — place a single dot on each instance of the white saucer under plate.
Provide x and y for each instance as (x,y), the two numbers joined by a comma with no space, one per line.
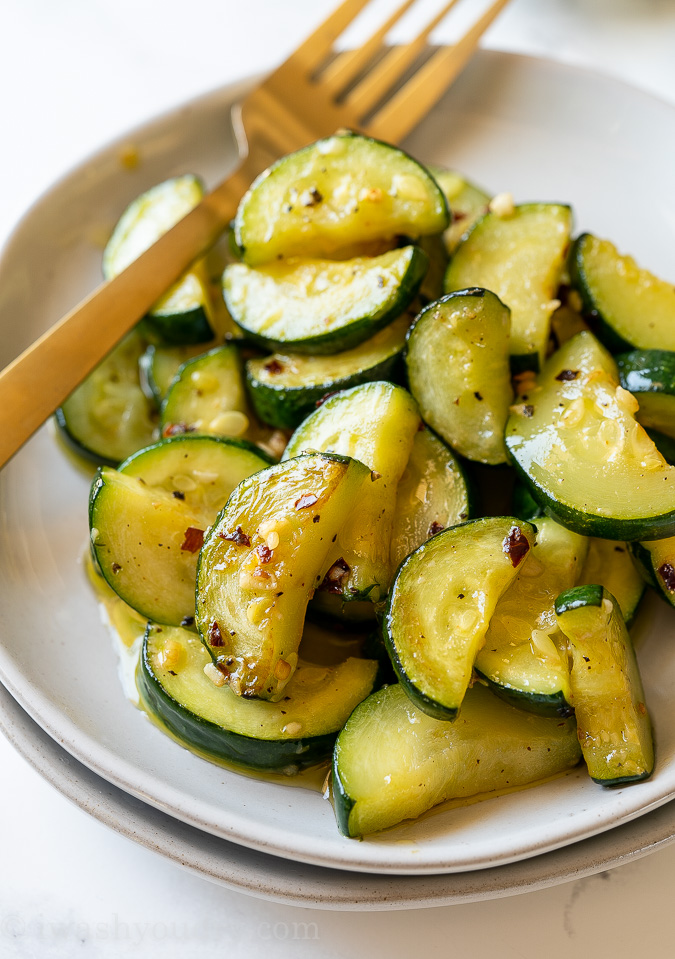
(299,884)
(539,129)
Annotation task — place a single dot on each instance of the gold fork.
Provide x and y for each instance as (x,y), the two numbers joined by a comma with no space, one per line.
(312,94)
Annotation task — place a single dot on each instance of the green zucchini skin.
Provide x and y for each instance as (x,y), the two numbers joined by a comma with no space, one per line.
(158,366)
(617,296)
(393,762)
(432,639)
(285,388)
(343,189)
(567,420)
(523,503)
(606,689)
(182,314)
(322,306)
(276,750)
(650,376)
(108,417)
(465,399)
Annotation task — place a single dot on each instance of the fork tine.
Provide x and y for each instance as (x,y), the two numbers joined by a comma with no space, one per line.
(312,52)
(402,112)
(376,84)
(348,65)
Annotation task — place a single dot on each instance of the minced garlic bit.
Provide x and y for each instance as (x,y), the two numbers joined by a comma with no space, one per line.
(502,205)
(212,672)
(626,400)
(230,423)
(292,729)
(282,670)
(272,539)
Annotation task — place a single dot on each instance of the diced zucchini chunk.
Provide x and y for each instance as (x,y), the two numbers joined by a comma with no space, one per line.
(322,306)
(375,423)
(634,308)
(432,494)
(500,252)
(270,548)
(458,369)
(176,680)
(606,689)
(586,459)
(284,388)
(148,519)
(441,603)
(393,762)
(522,658)
(340,190)
(182,314)
(108,417)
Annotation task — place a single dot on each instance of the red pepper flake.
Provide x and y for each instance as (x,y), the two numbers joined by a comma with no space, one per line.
(336,578)
(116,567)
(516,546)
(194,539)
(264,553)
(642,709)
(326,396)
(273,366)
(215,635)
(565,375)
(239,537)
(176,429)
(667,574)
(307,499)
(434,528)
(374,475)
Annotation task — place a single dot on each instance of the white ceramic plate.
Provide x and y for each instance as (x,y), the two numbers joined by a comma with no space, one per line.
(299,884)
(539,129)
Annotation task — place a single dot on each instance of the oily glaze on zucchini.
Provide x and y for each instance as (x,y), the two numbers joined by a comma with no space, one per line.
(609,563)
(631,306)
(270,548)
(457,360)
(441,603)
(284,388)
(176,682)
(375,423)
(587,461)
(182,314)
(650,376)
(343,189)
(393,762)
(207,396)
(322,306)
(522,659)
(499,251)
(432,494)
(108,417)
(606,690)
(148,518)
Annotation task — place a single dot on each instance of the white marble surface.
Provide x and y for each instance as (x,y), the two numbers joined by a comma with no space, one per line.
(74,74)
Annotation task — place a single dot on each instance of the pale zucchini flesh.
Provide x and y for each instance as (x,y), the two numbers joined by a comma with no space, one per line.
(609,563)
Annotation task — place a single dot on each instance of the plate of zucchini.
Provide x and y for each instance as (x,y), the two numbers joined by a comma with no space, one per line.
(380,495)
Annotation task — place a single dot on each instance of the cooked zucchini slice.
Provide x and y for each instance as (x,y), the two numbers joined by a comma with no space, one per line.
(375,423)
(322,306)
(656,565)
(108,417)
(585,458)
(270,548)
(437,259)
(441,603)
(432,494)
(467,203)
(650,376)
(606,689)
(182,314)
(284,388)
(610,563)
(158,367)
(522,659)
(632,307)
(458,370)
(340,190)
(148,519)
(207,396)
(175,684)
(392,762)
(520,258)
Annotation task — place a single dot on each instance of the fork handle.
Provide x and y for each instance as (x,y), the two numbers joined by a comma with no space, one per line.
(40,379)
